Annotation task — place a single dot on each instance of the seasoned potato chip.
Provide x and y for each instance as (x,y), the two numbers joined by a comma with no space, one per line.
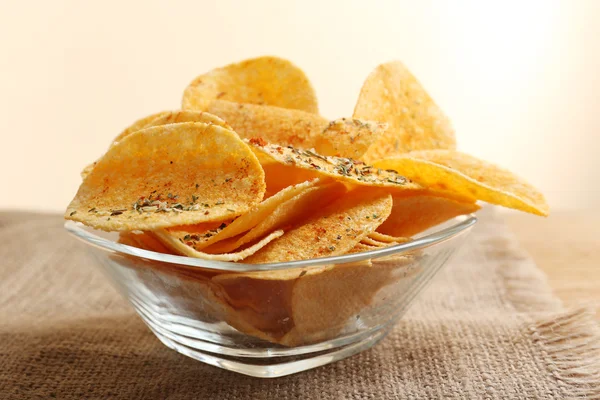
(285,166)
(198,234)
(163,118)
(182,248)
(391,94)
(202,235)
(413,214)
(144,182)
(468,176)
(331,231)
(264,80)
(287,212)
(346,136)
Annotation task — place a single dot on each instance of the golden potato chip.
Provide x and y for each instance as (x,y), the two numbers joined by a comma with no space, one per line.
(346,136)
(143,240)
(324,304)
(360,247)
(179,246)
(127,239)
(413,214)
(264,80)
(391,94)
(163,118)
(331,231)
(196,235)
(140,124)
(379,244)
(171,117)
(302,205)
(144,182)
(273,275)
(202,235)
(468,176)
(305,305)
(285,166)
(262,299)
(381,237)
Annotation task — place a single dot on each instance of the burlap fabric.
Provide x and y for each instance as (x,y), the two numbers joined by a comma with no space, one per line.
(487,327)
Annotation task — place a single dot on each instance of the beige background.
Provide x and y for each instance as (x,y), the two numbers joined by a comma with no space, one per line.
(520,80)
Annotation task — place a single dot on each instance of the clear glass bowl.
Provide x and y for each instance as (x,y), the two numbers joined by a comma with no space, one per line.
(271,320)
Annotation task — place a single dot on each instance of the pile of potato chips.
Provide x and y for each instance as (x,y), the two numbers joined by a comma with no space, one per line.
(250,171)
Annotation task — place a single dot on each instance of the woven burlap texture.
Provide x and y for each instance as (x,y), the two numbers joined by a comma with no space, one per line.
(487,327)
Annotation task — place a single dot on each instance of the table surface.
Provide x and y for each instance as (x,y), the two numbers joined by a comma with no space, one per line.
(566,246)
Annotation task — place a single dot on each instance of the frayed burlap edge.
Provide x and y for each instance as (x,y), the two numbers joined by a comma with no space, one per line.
(570,344)
(569,340)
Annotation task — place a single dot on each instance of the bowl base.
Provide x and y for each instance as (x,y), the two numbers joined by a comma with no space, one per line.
(273,367)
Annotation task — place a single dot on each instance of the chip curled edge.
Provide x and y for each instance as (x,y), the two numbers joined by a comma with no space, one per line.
(144,182)
(286,213)
(163,118)
(333,230)
(345,136)
(465,175)
(263,80)
(285,166)
(203,235)
(144,241)
(140,124)
(175,244)
(393,95)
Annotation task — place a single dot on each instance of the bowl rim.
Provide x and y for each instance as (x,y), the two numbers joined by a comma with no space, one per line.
(463,223)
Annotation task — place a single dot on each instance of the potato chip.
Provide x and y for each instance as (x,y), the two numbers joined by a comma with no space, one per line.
(324,304)
(302,205)
(176,117)
(306,305)
(346,136)
(413,214)
(264,80)
(140,124)
(391,94)
(360,247)
(127,239)
(175,244)
(163,118)
(202,235)
(285,166)
(143,240)
(381,237)
(468,176)
(379,244)
(331,231)
(145,182)
(196,235)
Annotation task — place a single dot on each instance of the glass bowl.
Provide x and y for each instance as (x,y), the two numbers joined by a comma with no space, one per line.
(271,320)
